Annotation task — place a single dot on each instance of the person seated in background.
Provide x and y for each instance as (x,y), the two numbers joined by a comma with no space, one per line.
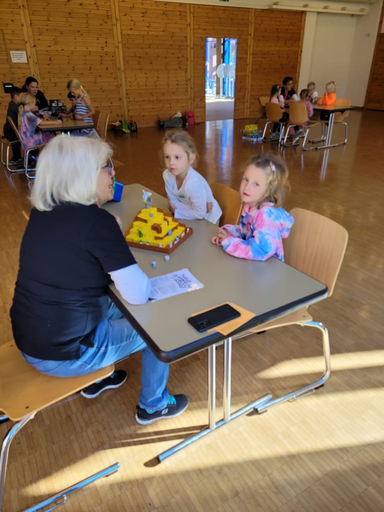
(288,93)
(276,97)
(313,94)
(13,112)
(84,108)
(71,112)
(304,98)
(63,321)
(31,86)
(28,123)
(329,97)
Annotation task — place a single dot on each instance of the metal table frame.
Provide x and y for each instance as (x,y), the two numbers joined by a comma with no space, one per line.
(145,318)
(327,136)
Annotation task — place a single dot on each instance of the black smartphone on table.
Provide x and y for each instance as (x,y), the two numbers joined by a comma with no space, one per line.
(213,317)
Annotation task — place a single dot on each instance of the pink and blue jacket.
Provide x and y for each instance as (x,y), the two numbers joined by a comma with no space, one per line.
(260,233)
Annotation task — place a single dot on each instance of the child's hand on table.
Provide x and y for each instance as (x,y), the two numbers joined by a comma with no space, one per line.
(220,237)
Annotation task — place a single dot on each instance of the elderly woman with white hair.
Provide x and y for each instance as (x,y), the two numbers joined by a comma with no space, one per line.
(63,322)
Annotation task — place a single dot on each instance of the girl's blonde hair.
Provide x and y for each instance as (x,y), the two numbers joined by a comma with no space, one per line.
(330,87)
(67,171)
(25,99)
(183,139)
(304,93)
(276,172)
(73,83)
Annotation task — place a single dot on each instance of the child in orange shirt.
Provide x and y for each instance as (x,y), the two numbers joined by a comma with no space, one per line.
(329,97)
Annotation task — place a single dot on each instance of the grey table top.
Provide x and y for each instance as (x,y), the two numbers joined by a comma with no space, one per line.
(331,108)
(268,289)
(67,125)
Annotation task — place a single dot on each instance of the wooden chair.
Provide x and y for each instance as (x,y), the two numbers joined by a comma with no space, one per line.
(263,100)
(23,392)
(298,115)
(6,146)
(274,114)
(341,116)
(96,117)
(229,201)
(29,172)
(316,247)
(102,125)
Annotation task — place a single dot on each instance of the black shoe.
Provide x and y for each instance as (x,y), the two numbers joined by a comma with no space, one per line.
(115,380)
(15,161)
(176,406)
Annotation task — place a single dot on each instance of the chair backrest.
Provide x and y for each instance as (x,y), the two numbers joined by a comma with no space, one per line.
(273,111)
(14,127)
(263,100)
(23,390)
(298,113)
(95,118)
(316,246)
(342,102)
(229,201)
(102,125)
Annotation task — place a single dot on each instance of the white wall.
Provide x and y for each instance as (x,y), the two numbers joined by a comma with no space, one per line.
(339,47)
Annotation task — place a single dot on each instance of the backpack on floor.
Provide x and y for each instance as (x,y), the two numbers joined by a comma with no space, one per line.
(190,118)
(132,126)
(173,122)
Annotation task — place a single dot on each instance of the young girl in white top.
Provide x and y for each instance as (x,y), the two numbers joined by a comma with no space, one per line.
(189,195)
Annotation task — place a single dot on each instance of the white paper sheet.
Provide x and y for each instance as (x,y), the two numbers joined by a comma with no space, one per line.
(172,284)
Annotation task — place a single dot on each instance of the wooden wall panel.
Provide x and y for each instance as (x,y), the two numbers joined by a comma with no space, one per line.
(11,38)
(375,92)
(142,59)
(74,39)
(277,44)
(155,46)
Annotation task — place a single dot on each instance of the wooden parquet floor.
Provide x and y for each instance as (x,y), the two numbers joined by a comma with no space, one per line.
(323,453)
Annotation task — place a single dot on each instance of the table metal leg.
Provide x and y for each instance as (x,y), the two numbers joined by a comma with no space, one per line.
(212,400)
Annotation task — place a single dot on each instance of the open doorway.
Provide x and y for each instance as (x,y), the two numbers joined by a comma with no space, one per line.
(220,78)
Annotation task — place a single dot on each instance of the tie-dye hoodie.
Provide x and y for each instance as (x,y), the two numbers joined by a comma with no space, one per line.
(260,233)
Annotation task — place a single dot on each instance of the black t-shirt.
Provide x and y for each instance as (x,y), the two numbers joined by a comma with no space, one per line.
(60,294)
(41,100)
(13,112)
(287,95)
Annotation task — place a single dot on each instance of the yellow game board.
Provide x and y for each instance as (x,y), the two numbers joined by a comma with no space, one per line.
(156,230)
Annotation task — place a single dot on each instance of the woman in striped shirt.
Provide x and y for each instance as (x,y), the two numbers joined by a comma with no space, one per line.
(84,108)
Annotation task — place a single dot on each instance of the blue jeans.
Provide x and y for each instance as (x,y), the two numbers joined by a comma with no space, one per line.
(115,339)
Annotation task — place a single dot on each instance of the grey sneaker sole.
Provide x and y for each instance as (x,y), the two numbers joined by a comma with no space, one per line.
(148,422)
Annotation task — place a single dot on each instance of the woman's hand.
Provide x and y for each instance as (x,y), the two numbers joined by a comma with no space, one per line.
(77,116)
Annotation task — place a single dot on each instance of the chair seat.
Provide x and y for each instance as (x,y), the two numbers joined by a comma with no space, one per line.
(23,390)
(296,317)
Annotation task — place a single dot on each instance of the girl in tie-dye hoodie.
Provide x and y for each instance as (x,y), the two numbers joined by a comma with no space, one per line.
(263,223)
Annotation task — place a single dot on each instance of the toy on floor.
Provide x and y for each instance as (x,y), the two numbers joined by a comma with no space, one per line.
(156,230)
(252,133)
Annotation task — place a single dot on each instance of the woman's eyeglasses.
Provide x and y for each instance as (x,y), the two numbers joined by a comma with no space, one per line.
(110,168)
